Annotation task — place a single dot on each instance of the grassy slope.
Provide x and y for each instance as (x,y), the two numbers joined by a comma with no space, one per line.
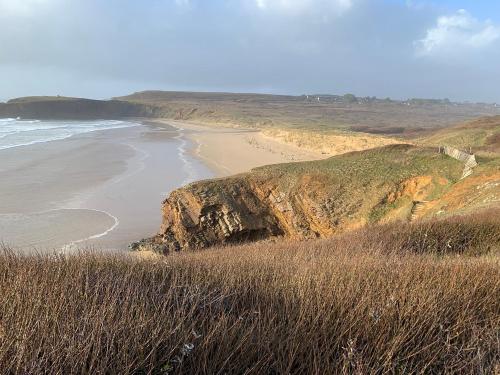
(482,135)
(356,178)
(352,189)
(327,197)
(390,163)
(383,300)
(358,175)
(361,173)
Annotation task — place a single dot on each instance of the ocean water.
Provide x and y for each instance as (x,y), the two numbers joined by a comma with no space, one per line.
(17,132)
(101,190)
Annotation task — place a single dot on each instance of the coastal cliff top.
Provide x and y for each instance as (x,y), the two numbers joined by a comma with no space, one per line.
(35,99)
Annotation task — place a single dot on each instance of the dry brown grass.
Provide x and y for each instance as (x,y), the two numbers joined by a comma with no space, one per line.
(332,143)
(355,304)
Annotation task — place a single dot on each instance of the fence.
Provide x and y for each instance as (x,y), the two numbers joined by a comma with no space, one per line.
(470,163)
(468,159)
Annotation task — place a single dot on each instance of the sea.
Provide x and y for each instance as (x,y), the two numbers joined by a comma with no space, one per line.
(18,132)
(101,183)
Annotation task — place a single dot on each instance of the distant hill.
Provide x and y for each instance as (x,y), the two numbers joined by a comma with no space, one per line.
(32,99)
(321,113)
(325,113)
(71,108)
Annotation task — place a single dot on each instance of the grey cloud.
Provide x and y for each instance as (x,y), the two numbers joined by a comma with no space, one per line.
(458,34)
(96,48)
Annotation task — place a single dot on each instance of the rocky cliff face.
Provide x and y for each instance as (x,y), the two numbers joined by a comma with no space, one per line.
(303,200)
(202,215)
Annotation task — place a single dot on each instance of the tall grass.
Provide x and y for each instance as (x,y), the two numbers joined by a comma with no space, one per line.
(345,305)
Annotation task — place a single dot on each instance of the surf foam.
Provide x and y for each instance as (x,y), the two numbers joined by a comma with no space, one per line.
(18,133)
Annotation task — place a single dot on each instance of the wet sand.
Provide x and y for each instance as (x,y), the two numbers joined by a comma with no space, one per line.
(52,230)
(103,189)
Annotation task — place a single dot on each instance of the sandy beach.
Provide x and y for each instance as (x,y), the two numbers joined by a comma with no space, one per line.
(229,151)
(104,189)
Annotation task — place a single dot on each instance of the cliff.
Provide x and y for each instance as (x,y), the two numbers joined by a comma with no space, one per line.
(310,199)
(55,108)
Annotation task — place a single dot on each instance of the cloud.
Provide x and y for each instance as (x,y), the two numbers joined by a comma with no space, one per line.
(183,3)
(102,48)
(457,34)
(22,7)
(300,6)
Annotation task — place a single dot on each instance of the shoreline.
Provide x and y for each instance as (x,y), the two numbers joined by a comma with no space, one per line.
(229,151)
(199,142)
(147,181)
(101,190)
(71,245)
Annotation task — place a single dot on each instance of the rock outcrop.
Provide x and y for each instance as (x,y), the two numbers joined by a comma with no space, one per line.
(303,200)
(205,215)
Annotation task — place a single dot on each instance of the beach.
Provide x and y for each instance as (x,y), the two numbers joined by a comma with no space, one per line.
(228,151)
(104,189)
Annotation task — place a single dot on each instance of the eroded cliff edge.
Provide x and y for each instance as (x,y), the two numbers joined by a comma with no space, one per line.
(310,199)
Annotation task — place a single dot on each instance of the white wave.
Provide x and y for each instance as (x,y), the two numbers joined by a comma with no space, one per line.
(187,165)
(28,121)
(14,133)
(99,235)
(72,245)
(14,129)
(33,142)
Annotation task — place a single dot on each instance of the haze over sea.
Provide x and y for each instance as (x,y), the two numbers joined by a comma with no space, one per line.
(88,183)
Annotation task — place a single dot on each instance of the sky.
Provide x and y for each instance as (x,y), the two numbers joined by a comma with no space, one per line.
(385,48)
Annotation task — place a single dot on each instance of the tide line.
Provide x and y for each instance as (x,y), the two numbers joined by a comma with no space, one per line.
(187,165)
(71,246)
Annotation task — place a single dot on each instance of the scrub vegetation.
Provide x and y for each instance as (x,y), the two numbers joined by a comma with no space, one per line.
(398,298)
